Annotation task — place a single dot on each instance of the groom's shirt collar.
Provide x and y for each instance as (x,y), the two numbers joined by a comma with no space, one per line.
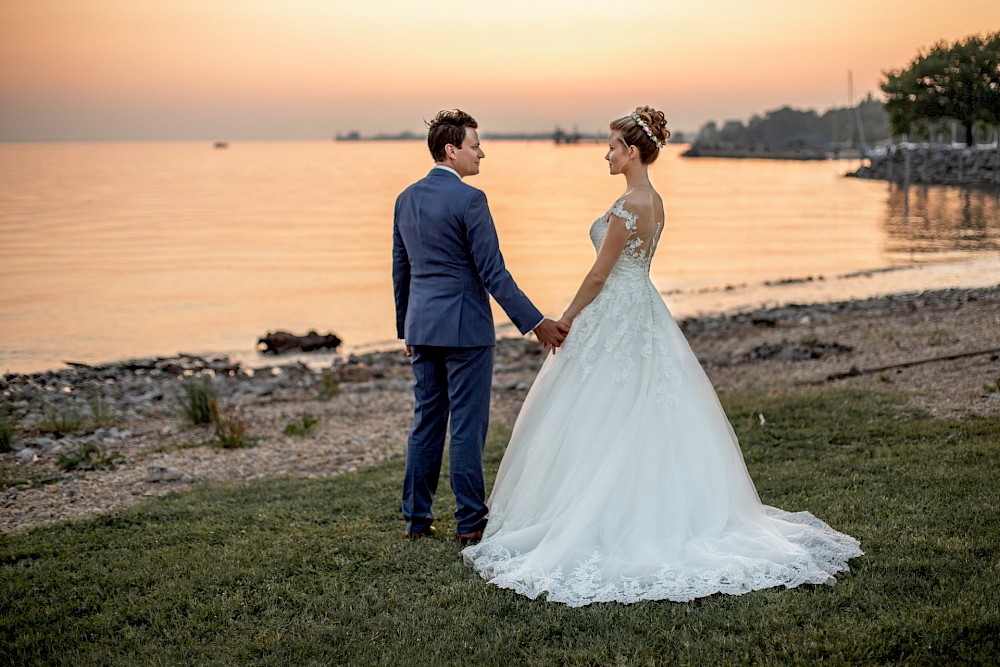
(446,168)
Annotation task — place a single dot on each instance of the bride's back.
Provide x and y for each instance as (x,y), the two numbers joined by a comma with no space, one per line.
(641,209)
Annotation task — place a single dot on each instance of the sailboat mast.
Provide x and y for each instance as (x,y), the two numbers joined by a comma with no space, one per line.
(857,112)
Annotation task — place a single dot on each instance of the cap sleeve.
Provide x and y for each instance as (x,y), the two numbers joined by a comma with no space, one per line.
(630,219)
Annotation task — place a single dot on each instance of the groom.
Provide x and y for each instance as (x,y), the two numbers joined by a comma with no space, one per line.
(446,262)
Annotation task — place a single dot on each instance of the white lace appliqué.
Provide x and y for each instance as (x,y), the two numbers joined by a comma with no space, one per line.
(822,553)
(622,319)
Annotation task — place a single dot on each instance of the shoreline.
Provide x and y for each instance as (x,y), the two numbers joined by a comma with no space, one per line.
(698,301)
(969,166)
(795,347)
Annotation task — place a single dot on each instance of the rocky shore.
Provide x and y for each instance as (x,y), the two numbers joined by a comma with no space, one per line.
(88,439)
(935,166)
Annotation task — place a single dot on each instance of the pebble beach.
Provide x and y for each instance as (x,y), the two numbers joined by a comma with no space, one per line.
(938,351)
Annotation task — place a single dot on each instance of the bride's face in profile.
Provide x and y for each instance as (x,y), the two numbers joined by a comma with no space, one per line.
(618,155)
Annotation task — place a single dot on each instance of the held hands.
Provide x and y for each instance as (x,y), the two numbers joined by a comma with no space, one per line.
(551,333)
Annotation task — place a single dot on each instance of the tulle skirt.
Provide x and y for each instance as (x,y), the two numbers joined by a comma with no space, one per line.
(624,481)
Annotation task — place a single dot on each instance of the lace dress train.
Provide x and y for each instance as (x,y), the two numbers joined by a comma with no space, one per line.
(623,480)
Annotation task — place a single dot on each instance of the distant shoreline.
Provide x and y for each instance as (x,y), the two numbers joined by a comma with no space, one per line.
(762,154)
(557,137)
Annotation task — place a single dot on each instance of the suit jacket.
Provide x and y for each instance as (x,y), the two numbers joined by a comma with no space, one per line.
(446,262)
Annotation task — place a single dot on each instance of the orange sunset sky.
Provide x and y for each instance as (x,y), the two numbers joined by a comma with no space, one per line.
(306,69)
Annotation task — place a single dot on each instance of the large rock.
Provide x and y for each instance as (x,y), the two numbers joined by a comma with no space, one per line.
(280,342)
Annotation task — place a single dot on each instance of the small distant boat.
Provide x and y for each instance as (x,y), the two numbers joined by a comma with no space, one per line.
(222,144)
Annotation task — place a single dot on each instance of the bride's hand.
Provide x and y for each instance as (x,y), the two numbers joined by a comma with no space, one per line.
(562,326)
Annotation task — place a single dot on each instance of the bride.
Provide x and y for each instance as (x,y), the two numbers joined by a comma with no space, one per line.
(623,480)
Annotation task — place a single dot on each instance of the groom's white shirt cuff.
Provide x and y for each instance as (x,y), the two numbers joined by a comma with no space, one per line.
(447,168)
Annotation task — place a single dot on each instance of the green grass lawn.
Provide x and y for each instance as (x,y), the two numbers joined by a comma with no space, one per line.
(290,571)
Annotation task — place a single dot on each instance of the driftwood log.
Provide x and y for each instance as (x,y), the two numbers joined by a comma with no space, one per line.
(280,342)
(855,371)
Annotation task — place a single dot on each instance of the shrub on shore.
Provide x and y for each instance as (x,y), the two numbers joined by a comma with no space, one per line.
(329,387)
(102,413)
(231,429)
(199,406)
(197,400)
(302,426)
(88,456)
(8,429)
(63,418)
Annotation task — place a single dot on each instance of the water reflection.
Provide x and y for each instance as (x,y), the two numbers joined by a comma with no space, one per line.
(103,257)
(942,219)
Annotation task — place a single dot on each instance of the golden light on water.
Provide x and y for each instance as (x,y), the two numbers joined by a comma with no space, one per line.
(119,249)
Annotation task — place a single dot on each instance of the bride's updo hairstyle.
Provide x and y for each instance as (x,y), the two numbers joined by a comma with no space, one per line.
(447,127)
(646,129)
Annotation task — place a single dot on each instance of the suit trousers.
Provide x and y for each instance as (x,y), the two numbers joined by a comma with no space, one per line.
(455,382)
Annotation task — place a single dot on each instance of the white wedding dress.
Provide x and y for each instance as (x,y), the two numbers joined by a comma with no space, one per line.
(623,480)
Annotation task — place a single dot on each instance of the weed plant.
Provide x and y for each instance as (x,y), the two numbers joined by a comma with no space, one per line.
(63,418)
(230,428)
(304,426)
(88,456)
(197,400)
(102,413)
(940,337)
(328,385)
(316,572)
(809,339)
(8,429)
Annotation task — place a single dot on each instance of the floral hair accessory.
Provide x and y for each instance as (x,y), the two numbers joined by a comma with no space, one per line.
(641,123)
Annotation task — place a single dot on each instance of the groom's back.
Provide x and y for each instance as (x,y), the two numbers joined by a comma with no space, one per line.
(430,218)
(447,303)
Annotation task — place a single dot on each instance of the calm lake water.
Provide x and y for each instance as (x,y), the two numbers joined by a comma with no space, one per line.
(117,250)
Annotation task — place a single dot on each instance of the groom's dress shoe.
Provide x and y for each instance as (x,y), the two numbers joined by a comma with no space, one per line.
(426,532)
(469,538)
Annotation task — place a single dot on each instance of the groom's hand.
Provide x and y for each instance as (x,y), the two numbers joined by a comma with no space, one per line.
(551,333)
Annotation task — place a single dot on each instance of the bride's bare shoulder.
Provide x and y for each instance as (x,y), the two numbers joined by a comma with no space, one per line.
(646,205)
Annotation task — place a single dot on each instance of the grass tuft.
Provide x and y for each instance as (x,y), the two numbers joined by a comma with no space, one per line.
(102,413)
(303,426)
(328,387)
(63,418)
(88,456)
(231,429)
(8,429)
(197,400)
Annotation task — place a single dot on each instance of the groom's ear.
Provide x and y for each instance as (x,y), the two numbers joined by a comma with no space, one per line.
(450,150)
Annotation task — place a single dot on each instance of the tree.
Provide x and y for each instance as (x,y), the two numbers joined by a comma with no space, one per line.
(959,81)
(788,127)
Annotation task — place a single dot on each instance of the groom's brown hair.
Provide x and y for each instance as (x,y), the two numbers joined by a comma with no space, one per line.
(447,127)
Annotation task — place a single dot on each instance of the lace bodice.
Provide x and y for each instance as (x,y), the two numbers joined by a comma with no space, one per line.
(623,315)
(642,236)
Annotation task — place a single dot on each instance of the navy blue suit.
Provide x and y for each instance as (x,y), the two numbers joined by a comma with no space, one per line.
(446,263)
